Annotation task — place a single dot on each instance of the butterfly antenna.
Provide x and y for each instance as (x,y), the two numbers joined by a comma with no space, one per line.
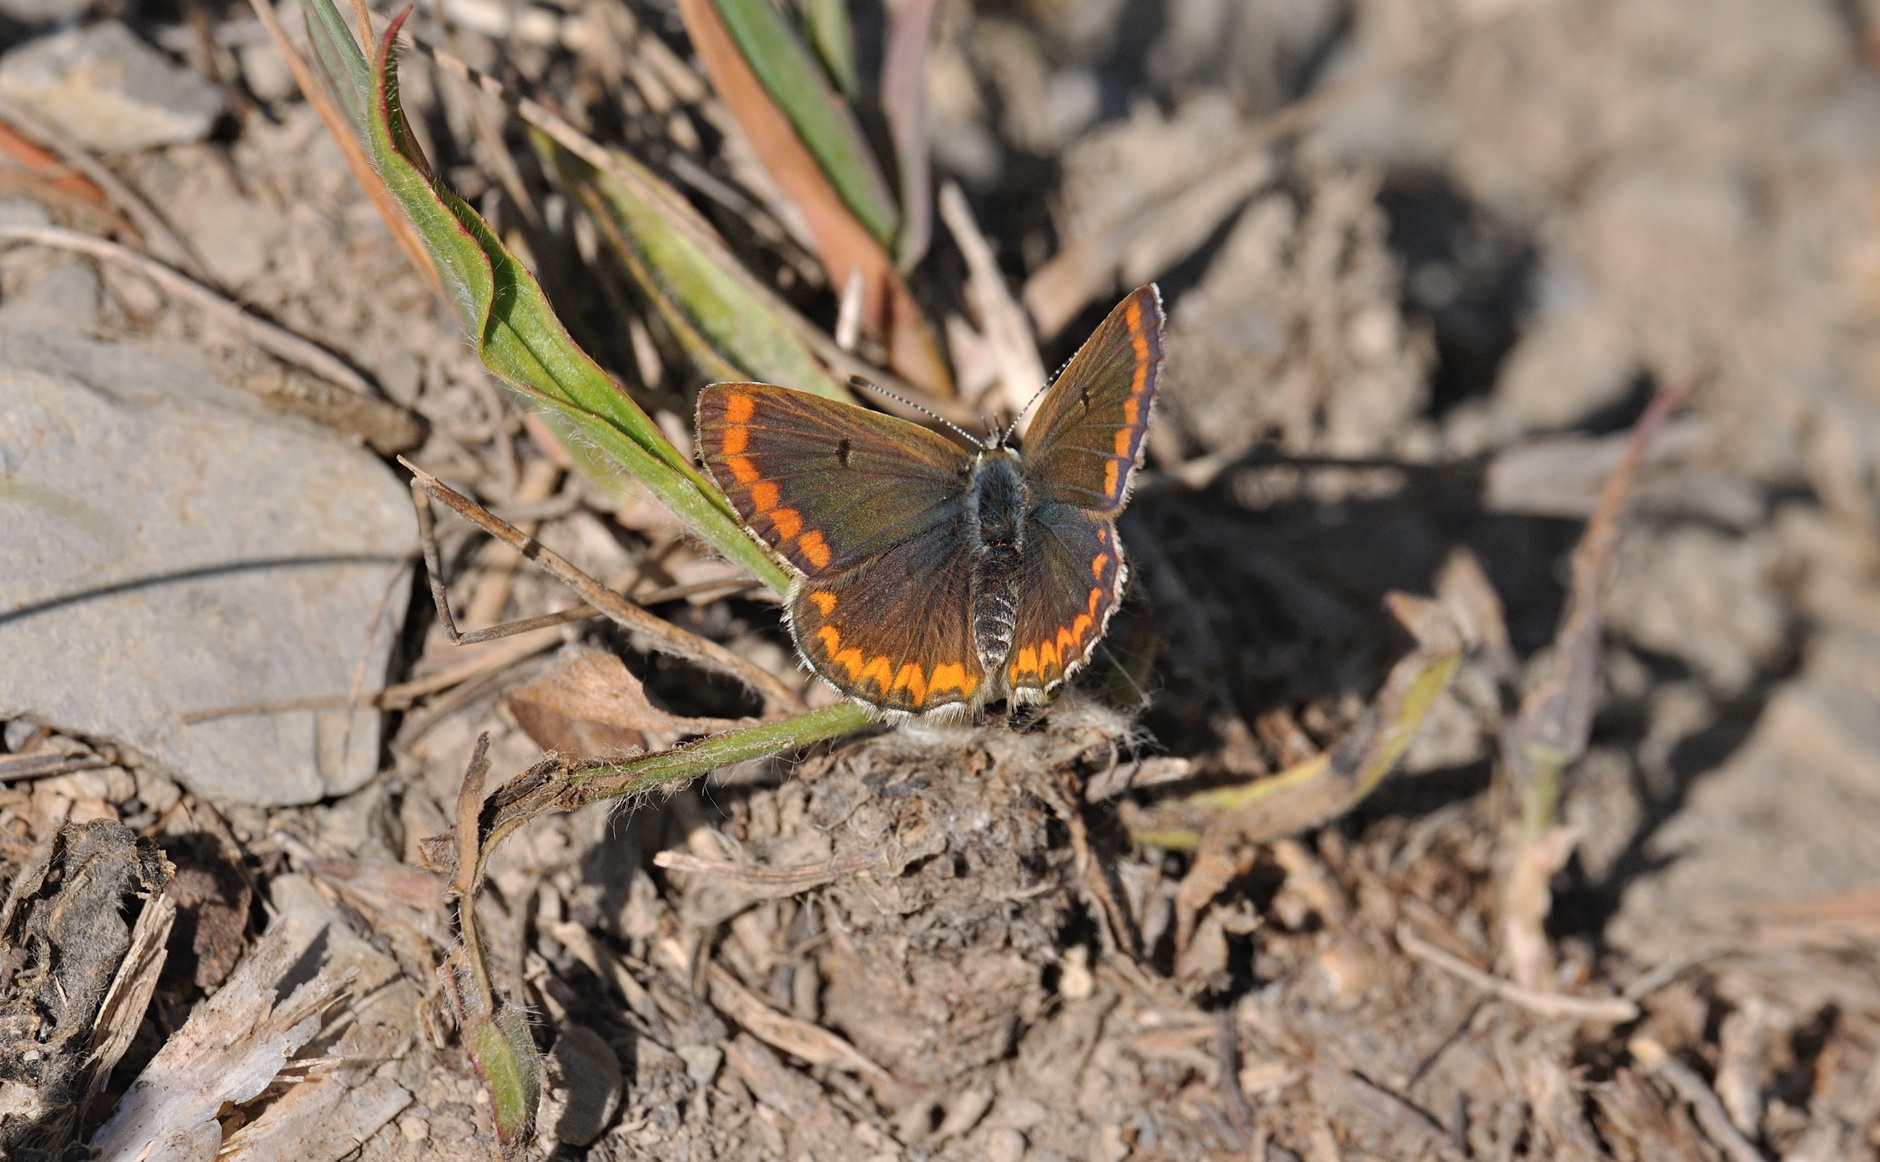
(859,382)
(1012,429)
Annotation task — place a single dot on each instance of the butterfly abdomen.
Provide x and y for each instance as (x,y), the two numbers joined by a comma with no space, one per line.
(996,500)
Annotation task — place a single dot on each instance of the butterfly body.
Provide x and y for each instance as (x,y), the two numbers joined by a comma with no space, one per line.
(933,578)
(997,500)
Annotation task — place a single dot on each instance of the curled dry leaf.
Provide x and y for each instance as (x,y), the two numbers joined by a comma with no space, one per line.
(588,703)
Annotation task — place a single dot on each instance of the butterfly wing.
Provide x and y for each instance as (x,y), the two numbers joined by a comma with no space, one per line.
(870,509)
(826,484)
(1083,446)
(1086,438)
(1073,575)
(895,630)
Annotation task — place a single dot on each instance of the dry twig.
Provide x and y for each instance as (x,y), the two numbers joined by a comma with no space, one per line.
(1614,1010)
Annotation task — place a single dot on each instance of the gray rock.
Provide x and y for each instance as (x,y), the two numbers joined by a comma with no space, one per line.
(43,11)
(110,90)
(170,549)
(591,1076)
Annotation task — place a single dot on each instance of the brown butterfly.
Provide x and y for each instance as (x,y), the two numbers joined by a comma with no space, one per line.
(935,578)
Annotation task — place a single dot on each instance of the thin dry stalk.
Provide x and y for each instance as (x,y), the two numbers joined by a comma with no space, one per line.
(658,634)
(1709,1111)
(1613,1010)
(162,241)
(1004,323)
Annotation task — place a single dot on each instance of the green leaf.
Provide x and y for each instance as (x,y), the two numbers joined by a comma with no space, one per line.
(829,29)
(650,772)
(518,336)
(595,782)
(505,1056)
(824,122)
(729,328)
(343,66)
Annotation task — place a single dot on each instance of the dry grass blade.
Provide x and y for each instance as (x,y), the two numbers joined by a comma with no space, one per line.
(843,243)
(765,882)
(812,1043)
(1703,1102)
(1556,718)
(157,235)
(402,696)
(1613,1010)
(1006,328)
(904,101)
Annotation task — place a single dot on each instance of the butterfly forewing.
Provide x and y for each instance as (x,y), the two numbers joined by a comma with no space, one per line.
(826,484)
(1086,438)
(871,510)
(1073,571)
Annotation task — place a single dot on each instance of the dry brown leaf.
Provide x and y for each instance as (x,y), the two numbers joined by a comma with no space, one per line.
(587,703)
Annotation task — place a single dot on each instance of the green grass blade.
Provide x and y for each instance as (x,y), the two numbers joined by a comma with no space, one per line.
(520,339)
(825,123)
(829,29)
(730,330)
(341,64)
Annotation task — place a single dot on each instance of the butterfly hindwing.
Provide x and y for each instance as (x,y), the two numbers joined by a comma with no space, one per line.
(1073,570)
(895,630)
(1086,438)
(826,484)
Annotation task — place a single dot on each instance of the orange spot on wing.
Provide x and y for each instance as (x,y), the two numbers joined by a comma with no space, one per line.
(1109,478)
(739,408)
(764,495)
(879,670)
(1097,564)
(1081,625)
(831,638)
(1026,662)
(952,676)
(912,679)
(813,549)
(787,522)
(850,660)
(736,440)
(824,602)
(742,470)
(1139,339)
(1125,435)
(1096,595)
(1049,656)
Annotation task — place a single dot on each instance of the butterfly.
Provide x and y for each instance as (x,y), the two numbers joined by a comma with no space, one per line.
(933,578)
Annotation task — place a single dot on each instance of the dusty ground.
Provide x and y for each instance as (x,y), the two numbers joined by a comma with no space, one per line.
(1404,343)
